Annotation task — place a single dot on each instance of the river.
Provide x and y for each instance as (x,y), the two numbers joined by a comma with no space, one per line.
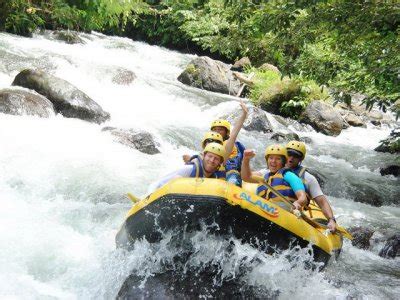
(63,184)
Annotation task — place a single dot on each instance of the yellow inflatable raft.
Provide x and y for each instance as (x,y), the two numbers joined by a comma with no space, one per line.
(190,203)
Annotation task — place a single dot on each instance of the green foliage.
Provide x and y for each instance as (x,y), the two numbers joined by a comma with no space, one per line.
(350,46)
(284,95)
(23,17)
(263,80)
(20,18)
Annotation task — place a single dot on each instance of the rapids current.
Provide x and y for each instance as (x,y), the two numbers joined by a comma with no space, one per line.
(63,181)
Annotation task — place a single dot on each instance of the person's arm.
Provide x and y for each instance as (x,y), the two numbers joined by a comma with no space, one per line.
(182,172)
(186,158)
(327,211)
(298,187)
(230,143)
(245,171)
(319,197)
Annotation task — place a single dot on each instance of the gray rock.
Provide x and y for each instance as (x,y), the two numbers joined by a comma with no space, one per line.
(354,120)
(124,77)
(66,98)
(391,144)
(361,236)
(211,75)
(70,37)
(269,67)
(390,170)
(241,64)
(359,114)
(281,136)
(306,139)
(20,102)
(257,121)
(142,141)
(280,91)
(368,194)
(391,248)
(323,118)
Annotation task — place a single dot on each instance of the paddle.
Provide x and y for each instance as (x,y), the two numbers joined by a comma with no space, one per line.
(133,198)
(343,231)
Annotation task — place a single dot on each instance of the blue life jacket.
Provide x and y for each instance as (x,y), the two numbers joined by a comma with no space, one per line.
(198,170)
(235,163)
(278,183)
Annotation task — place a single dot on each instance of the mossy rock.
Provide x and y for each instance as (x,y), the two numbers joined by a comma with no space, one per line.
(390,144)
(280,91)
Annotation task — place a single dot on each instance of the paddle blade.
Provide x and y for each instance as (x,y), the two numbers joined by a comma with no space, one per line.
(345,233)
(133,198)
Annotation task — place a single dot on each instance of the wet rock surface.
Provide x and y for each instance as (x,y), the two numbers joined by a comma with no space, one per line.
(140,140)
(123,77)
(212,75)
(257,121)
(70,37)
(390,170)
(15,101)
(66,98)
(391,144)
(323,118)
(391,249)
(282,137)
(361,237)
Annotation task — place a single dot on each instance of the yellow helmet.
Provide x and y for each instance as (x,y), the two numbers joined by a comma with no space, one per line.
(222,123)
(276,149)
(213,136)
(215,148)
(298,147)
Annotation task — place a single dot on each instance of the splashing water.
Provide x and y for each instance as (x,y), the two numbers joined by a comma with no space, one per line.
(63,181)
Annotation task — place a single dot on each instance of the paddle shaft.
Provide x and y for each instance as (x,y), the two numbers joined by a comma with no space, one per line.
(307,219)
(133,198)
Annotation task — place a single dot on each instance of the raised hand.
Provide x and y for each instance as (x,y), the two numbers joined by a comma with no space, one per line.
(245,110)
(249,154)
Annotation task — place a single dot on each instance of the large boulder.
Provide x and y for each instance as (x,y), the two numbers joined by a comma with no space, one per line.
(361,237)
(391,144)
(142,141)
(368,194)
(351,119)
(390,170)
(323,118)
(66,98)
(257,120)
(19,102)
(391,249)
(68,36)
(280,91)
(357,113)
(211,75)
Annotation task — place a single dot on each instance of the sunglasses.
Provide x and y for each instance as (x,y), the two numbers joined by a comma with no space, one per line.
(294,154)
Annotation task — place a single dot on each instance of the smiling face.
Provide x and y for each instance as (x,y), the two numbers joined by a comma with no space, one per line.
(275,162)
(211,162)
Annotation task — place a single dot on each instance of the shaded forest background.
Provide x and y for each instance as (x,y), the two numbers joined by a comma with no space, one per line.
(348,46)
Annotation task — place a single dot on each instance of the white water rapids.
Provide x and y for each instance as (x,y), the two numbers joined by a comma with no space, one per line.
(63,181)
